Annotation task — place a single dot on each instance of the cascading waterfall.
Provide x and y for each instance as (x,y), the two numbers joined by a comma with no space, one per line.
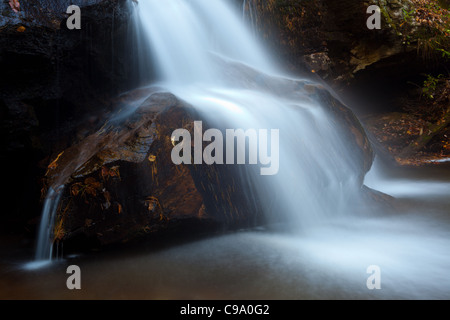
(183,35)
(141,71)
(44,247)
(205,54)
(207,57)
(249,14)
(45,244)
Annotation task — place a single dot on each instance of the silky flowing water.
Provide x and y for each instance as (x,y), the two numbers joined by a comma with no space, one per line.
(329,262)
(203,52)
(325,248)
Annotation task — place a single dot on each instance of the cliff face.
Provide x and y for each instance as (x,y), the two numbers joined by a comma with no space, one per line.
(330,39)
(385,75)
(52,78)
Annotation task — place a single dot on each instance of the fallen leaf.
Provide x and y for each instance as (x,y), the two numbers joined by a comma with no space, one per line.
(54,164)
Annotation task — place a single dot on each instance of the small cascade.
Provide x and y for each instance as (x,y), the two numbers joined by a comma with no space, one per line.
(44,249)
(250,15)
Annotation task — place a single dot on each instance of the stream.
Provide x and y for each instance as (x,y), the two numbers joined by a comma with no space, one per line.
(330,261)
(333,252)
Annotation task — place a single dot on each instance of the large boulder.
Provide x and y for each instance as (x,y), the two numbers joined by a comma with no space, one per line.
(121,184)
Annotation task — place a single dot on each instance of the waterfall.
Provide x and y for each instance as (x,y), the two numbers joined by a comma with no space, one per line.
(44,248)
(204,53)
(183,35)
(249,15)
(208,57)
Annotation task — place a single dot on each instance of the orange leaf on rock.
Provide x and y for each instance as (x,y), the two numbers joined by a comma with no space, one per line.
(75,189)
(105,172)
(91,191)
(54,164)
(114,172)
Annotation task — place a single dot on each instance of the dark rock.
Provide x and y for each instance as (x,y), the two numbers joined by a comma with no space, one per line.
(121,183)
(119,180)
(329,37)
(329,41)
(56,85)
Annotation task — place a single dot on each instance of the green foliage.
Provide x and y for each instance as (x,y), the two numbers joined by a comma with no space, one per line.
(430,86)
(425,23)
(408,16)
(385,13)
(445,53)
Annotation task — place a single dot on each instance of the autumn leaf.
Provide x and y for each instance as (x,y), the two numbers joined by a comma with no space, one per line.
(54,164)
(114,172)
(75,189)
(58,230)
(105,172)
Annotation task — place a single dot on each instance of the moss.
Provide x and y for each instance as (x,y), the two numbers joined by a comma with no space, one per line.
(385,12)
(425,24)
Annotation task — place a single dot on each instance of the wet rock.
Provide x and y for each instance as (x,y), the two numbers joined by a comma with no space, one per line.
(121,184)
(329,40)
(318,61)
(56,85)
(314,34)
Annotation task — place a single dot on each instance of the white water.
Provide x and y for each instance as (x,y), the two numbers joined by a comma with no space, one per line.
(205,54)
(250,15)
(329,262)
(44,248)
(183,34)
(316,179)
(207,57)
